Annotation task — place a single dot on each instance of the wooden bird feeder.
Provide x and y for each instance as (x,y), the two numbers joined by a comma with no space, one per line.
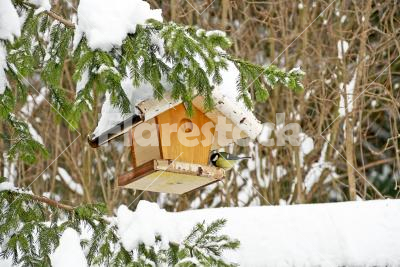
(174,165)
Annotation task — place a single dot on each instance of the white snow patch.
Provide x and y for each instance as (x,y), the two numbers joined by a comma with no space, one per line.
(306,146)
(314,174)
(348,92)
(335,234)
(6,262)
(10,25)
(265,134)
(307,143)
(10,169)
(215,33)
(69,252)
(52,196)
(134,227)
(106,23)
(42,5)
(111,115)
(342,47)
(3,67)
(7,186)
(308,94)
(280,172)
(74,186)
(227,87)
(33,102)
(81,84)
(35,135)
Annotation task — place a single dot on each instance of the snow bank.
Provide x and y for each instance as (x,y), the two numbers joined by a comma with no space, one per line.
(69,252)
(106,23)
(335,234)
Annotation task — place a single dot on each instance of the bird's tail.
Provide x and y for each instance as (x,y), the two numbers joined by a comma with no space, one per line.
(245,157)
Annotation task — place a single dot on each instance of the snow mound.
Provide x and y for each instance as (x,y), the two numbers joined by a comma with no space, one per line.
(135,227)
(4,186)
(336,234)
(69,252)
(106,23)
(42,5)
(10,25)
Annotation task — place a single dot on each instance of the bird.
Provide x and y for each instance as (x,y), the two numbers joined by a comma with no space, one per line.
(225,160)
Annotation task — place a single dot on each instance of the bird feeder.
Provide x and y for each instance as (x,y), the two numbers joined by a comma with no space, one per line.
(167,163)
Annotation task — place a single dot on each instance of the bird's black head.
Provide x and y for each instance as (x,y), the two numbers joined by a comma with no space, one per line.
(214,157)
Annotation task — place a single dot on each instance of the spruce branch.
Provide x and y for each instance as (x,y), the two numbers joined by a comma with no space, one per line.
(51,202)
(53,15)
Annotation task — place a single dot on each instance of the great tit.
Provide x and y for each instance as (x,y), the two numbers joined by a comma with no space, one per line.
(225,160)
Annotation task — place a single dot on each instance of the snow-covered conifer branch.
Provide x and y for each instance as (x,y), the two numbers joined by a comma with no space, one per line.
(31,227)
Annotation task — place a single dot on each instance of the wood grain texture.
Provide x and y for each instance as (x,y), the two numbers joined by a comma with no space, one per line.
(184,148)
(143,153)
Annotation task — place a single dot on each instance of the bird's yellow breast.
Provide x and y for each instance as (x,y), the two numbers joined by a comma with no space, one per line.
(225,164)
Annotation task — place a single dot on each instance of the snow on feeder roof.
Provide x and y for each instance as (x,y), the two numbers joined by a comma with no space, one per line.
(144,108)
(162,160)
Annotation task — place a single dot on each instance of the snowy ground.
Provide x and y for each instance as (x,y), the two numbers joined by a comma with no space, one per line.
(336,234)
